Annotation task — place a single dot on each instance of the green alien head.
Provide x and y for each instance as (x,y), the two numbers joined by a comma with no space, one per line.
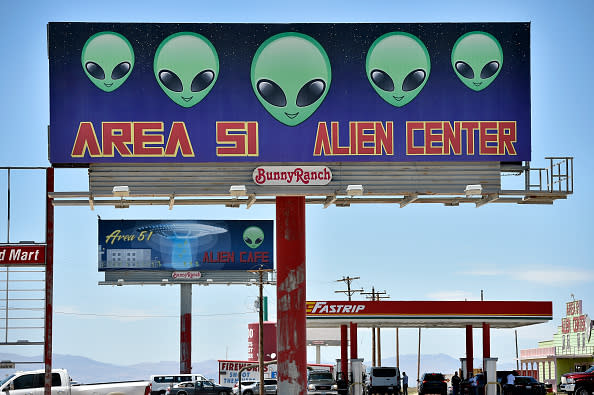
(107,59)
(291,76)
(253,236)
(477,59)
(398,66)
(186,67)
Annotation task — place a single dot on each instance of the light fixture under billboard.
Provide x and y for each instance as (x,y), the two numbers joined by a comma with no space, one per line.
(472,190)
(292,175)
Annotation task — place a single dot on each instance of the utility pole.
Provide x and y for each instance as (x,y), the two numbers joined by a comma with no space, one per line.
(348,281)
(261,325)
(376,296)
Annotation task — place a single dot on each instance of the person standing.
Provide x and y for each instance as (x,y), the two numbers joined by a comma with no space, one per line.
(510,380)
(456,383)
(404,383)
(474,384)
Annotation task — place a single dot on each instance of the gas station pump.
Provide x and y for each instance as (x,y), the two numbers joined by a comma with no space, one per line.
(490,367)
(356,376)
(464,369)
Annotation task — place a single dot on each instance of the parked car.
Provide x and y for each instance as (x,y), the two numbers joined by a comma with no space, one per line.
(432,383)
(578,383)
(382,379)
(253,387)
(321,382)
(162,382)
(527,385)
(200,388)
(33,381)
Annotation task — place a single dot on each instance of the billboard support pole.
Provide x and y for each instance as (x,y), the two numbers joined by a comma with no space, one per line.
(185,335)
(291,299)
(49,280)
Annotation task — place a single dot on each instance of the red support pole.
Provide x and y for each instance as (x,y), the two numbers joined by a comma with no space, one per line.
(469,354)
(185,329)
(353,340)
(49,280)
(290,292)
(486,341)
(344,347)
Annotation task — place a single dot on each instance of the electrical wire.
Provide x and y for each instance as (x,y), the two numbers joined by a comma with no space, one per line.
(148,316)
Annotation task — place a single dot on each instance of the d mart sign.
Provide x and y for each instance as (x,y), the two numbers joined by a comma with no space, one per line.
(22,255)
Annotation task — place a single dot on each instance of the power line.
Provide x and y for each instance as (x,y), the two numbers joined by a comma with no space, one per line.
(348,280)
(147,316)
(376,296)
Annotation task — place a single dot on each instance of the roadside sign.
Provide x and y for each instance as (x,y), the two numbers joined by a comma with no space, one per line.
(22,255)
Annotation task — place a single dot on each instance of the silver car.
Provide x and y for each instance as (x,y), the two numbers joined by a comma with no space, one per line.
(253,387)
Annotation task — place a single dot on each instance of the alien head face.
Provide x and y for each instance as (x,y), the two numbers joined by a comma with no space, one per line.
(107,59)
(477,59)
(253,236)
(398,67)
(186,67)
(291,76)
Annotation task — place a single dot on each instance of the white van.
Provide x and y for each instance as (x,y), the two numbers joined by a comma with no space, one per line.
(162,381)
(381,380)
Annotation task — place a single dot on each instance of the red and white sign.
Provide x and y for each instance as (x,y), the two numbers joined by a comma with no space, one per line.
(186,275)
(292,175)
(23,255)
(229,371)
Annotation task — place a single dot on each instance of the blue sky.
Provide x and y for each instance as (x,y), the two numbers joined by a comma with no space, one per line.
(421,252)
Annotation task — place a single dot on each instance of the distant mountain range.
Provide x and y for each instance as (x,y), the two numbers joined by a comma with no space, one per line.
(85,370)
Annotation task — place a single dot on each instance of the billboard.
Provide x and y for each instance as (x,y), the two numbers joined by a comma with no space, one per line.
(229,372)
(185,246)
(300,92)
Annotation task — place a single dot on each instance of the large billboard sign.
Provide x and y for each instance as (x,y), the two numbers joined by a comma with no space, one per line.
(184,246)
(266,93)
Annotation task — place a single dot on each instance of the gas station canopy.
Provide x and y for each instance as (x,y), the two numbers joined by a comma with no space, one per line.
(428,314)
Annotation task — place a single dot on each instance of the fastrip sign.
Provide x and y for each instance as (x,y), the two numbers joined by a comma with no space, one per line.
(22,255)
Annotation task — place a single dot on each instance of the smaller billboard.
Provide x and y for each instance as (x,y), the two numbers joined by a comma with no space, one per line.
(229,372)
(185,245)
(22,255)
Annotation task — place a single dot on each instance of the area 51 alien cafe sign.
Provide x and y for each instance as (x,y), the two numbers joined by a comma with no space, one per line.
(266,93)
(185,246)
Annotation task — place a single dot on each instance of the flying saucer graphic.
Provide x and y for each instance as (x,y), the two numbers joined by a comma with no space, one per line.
(179,238)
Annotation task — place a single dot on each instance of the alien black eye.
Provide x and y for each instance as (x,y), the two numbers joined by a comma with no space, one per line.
(413,80)
(95,70)
(258,240)
(464,69)
(490,69)
(120,70)
(171,81)
(310,92)
(202,80)
(248,240)
(272,93)
(382,80)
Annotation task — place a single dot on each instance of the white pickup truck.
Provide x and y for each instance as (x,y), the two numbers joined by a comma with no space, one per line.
(32,383)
